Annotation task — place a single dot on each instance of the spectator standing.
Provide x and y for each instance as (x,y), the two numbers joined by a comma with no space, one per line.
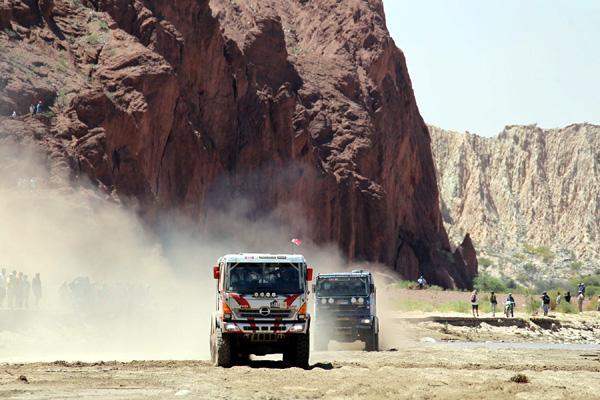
(582,289)
(580,299)
(598,304)
(567,297)
(32,110)
(36,285)
(510,301)
(475,303)
(14,114)
(422,282)
(493,302)
(545,303)
(38,109)
(558,297)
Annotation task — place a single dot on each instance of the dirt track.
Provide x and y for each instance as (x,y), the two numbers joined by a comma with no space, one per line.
(416,371)
(560,362)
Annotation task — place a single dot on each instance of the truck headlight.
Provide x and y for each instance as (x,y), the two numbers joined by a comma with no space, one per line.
(297,328)
(301,317)
(353,300)
(330,301)
(361,300)
(365,321)
(323,301)
(231,327)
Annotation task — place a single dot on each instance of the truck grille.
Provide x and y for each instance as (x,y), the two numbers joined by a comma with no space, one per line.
(346,310)
(255,313)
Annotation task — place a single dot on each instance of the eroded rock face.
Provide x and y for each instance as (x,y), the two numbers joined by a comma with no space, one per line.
(192,104)
(526,185)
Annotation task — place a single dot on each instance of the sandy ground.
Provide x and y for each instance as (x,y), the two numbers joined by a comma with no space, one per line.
(420,358)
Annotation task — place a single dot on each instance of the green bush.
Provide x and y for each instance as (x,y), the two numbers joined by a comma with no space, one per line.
(567,308)
(93,39)
(463,306)
(575,265)
(488,283)
(412,305)
(532,304)
(485,262)
(405,284)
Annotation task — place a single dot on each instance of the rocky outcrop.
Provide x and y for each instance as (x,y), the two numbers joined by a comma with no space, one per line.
(192,105)
(526,185)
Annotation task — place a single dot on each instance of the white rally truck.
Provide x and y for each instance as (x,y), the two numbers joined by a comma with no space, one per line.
(261,308)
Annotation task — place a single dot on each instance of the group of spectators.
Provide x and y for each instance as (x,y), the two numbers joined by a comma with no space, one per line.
(510,301)
(580,298)
(104,299)
(16,289)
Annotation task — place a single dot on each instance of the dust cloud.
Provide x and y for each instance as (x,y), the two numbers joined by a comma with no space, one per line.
(111,289)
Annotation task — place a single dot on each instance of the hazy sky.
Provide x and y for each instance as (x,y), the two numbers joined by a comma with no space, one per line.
(480,65)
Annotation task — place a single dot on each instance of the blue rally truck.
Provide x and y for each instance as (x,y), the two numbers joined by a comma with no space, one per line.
(345,309)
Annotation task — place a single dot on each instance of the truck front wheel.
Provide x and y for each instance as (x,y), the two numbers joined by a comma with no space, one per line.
(297,351)
(372,340)
(220,348)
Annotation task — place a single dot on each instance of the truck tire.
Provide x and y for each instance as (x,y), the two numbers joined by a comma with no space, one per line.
(297,351)
(372,341)
(220,349)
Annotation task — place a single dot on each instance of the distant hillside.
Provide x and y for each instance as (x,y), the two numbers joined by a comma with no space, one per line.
(529,198)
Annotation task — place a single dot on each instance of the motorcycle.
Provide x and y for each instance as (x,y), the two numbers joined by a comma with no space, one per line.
(509,308)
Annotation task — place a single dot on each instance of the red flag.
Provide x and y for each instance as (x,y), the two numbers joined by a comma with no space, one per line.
(296,241)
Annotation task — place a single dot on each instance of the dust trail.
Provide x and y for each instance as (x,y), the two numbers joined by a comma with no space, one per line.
(111,289)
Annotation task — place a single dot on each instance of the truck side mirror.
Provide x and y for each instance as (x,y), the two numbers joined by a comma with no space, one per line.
(372,287)
(309,273)
(313,287)
(216,272)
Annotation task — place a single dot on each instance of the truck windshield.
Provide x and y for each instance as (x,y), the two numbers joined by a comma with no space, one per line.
(271,277)
(342,286)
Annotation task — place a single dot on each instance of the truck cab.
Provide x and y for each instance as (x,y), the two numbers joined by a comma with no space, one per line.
(345,309)
(261,308)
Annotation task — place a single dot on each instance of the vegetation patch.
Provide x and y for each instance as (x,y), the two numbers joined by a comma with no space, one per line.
(520,378)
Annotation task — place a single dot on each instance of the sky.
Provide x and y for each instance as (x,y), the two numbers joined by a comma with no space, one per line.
(478,66)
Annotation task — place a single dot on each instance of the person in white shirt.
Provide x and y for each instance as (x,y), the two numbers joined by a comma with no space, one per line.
(475,303)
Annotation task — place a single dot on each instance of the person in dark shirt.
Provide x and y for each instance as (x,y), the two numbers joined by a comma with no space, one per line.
(545,303)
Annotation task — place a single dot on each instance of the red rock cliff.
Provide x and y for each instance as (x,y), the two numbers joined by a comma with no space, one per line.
(191,104)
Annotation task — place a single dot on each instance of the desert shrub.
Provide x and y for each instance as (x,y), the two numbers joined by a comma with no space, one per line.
(509,282)
(567,308)
(435,288)
(520,378)
(485,262)
(488,283)
(93,39)
(592,291)
(405,284)
(541,251)
(529,267)
(462,306)
(532,304)
(576,265)
(412,305)
(590,305)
